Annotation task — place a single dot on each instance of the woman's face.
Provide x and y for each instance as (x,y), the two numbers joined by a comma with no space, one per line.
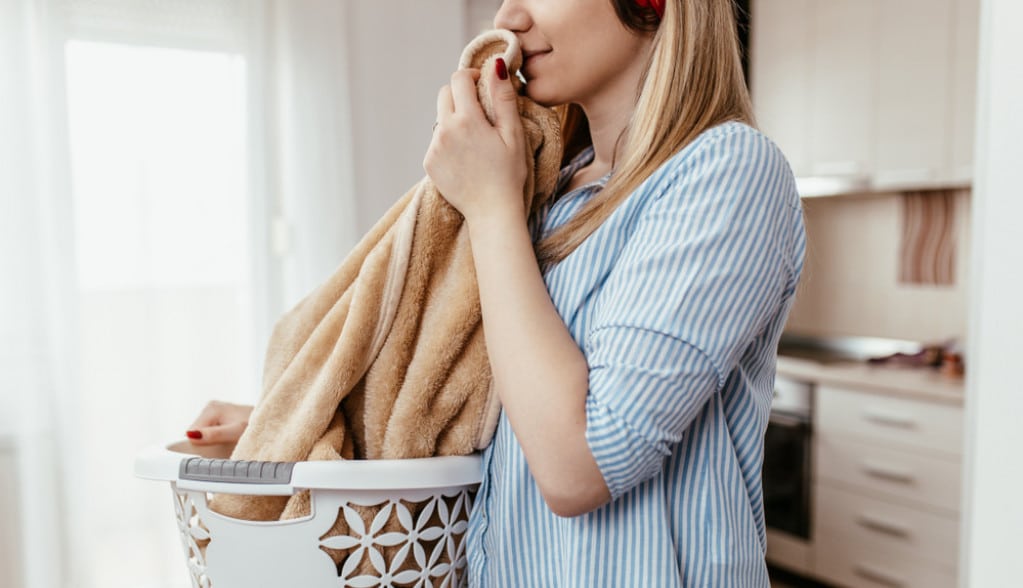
(574,50)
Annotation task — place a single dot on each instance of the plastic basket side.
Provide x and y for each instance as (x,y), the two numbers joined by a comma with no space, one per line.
(357,539)
(356,536)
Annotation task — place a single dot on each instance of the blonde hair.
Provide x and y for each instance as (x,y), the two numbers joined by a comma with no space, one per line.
(694,81)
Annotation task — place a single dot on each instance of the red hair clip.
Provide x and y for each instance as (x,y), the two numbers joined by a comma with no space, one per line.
(657,5)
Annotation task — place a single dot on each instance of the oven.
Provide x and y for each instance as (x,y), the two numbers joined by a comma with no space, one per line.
(787,475)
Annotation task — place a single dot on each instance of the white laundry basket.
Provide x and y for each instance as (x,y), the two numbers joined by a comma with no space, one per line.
(420,510)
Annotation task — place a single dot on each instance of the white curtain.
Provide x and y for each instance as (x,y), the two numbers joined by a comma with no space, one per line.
(36,273)
(167,169)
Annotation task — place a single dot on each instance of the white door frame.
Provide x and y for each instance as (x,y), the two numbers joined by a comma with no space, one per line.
(992,515)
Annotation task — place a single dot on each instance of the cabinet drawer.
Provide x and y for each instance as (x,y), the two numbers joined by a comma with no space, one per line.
(897,421)
(897,529)
(842,561)
(911,477)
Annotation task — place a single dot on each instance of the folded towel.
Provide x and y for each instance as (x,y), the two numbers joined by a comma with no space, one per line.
(386,359)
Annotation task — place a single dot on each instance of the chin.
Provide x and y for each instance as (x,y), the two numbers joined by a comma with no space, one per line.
(543,96)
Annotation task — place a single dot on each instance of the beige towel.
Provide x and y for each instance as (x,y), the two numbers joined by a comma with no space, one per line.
(386,359)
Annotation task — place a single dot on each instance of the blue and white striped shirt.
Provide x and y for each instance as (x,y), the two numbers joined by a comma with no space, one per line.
(677,302)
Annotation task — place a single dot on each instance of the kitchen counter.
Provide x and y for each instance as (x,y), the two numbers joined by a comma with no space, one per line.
(913,382)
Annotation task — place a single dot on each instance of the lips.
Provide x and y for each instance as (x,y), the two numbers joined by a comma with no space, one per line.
(531,57)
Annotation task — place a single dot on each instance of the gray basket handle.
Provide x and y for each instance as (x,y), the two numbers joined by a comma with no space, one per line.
(233,471)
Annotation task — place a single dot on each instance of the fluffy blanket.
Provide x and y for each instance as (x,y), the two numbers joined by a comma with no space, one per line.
(386,359)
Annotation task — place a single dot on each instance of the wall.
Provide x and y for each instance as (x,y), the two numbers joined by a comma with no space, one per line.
(10,552)
(850,283)
(400,54)
(394,88)
(480,16)
(354,87)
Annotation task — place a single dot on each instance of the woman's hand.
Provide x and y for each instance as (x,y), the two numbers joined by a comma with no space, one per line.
(479,168)
(219,422)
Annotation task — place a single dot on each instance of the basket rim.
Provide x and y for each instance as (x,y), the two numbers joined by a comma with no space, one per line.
(162,462)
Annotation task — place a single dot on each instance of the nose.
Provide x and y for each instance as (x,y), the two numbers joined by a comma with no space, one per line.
(512,16)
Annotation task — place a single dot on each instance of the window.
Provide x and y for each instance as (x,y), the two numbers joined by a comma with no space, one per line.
(165,298)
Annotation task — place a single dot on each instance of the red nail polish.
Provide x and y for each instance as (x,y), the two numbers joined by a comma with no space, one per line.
(502,69)
(194,434)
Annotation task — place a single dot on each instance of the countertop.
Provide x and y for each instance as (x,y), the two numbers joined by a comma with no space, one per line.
(913,382)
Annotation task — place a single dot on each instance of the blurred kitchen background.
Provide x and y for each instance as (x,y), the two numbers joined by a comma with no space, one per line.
(175,174)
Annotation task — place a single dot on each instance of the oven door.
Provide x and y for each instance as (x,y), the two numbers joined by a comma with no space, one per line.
(786,474)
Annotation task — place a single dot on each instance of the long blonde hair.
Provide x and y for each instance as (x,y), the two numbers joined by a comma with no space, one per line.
(694,81)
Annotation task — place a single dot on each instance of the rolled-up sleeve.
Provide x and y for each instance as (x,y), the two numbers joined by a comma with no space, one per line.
(630,441)
(706,267)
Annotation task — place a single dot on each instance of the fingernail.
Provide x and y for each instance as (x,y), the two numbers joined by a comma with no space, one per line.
(194,434)
(502,69)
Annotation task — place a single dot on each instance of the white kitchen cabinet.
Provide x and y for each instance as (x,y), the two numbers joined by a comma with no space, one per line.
(871,566)
(914,67)
(855,519)
(780,52)
(964,88)
(868,94)
(877,469)
(887,474)
(924,427)
(842,78)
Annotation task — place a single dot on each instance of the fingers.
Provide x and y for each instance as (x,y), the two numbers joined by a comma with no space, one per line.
(466,146)
(210,415)
(229,433)
(219,422)
(505,101)
(445,104)
(459,97)
(463,91)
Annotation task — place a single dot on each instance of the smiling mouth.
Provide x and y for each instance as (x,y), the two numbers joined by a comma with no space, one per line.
(532,56)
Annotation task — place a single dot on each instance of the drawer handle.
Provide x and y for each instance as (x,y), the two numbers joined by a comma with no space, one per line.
(889,528)
(888,473)
(873,574)
(890,419)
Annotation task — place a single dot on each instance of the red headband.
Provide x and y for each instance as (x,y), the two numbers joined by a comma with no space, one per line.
(657,5)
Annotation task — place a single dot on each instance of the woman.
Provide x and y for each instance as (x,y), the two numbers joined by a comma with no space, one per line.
(635,361)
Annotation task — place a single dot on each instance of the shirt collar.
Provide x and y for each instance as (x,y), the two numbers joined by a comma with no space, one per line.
(584,158)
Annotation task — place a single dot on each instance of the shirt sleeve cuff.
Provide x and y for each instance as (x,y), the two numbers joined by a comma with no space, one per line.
(638,408)
(623,456)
